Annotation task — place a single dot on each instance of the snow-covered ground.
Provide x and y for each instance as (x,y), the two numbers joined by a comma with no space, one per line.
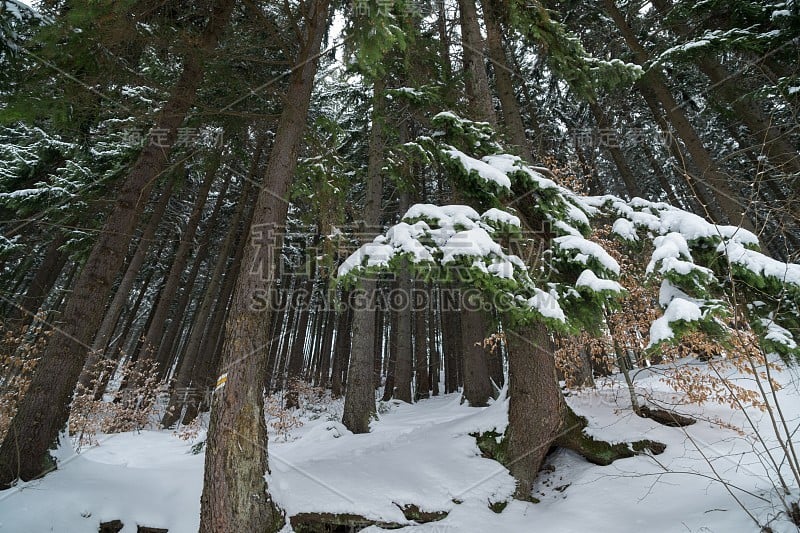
(423,454)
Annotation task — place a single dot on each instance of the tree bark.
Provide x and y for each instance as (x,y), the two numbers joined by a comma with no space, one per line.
(493,17)
(192,371)
(165,355)
(421,332)
(22,312)
(235,494)
(477,386)
(341,349)
(479,96)
(536,407)
(117,305)
(359,404)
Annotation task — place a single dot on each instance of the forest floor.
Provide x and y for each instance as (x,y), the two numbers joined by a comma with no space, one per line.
(424,455)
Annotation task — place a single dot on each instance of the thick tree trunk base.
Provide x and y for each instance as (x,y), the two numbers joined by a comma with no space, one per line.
(494,446)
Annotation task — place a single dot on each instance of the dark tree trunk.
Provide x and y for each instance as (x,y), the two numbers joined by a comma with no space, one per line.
(493,16)
(477,83)
(474,329)
(377,370)
(451,336)
(21,315)
(433,345)
(298,354)
(536,407)
(165,355)
(341,350)
(391,361)
(421,333)
(359,405)
(403,358)
(235,495)
(191,379)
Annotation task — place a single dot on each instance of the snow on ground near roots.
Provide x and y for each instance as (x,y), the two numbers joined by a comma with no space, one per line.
(422,454)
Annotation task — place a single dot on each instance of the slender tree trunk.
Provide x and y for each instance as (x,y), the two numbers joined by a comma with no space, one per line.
(235,494)
(404,359)
(359,405)
(451,335)
(493,17)
(479,97)
(21,315)
(422,381)
(434,326)
(391,361)
(323,372)
(377,371)
(341,349)
(204,372)
(165,355)
(45,408)
(603,123)
(477,386)
(298,353)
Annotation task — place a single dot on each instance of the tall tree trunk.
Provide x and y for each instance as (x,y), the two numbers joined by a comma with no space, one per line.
(422,381)
(341,349)
(477,83)
(235,496)
(45,408)
(493,17)
(359,404)
(21,315)
(536,407)
(203,376)
(603,123)
(165,355)
(451,335)
(434,325)
(403,359)
(294,369)
(477,386)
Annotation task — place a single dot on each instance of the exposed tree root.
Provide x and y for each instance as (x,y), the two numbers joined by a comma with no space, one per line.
(666,418)
(347,522)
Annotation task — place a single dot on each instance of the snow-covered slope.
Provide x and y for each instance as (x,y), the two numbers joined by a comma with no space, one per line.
(423,454)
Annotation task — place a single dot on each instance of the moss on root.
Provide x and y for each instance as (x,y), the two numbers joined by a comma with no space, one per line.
(335,523)
(597,451)
(494,445)
(413,512)
(347,522)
